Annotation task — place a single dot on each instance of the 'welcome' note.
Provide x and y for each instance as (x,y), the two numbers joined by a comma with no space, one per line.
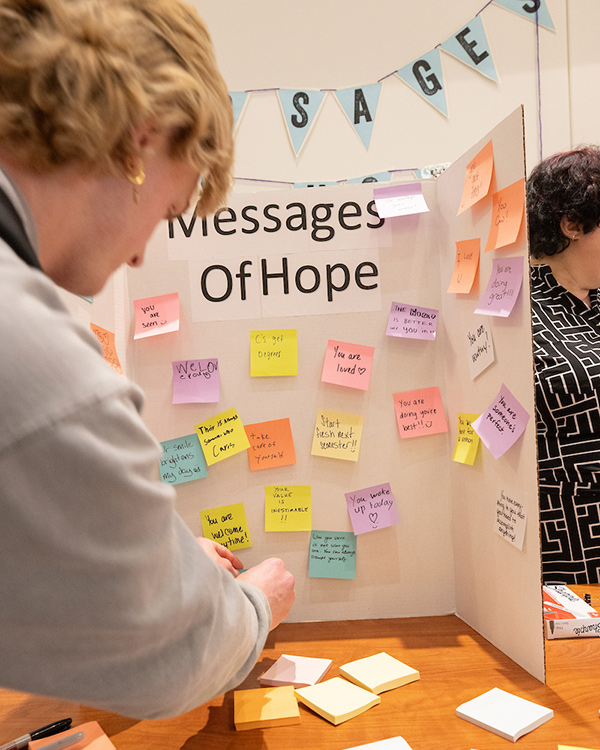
(478,177)
(273,353)
(222,436)
(467,440)
(107,342)
(182,460)
(466,266)
(507,215)
(271,444)
(420,412)
(337,435)
(155,315)
(196,381)
(332,554)
(227,525)
(503,287)
(412,322)
(347,364)
(288,507)
(502,423)
(372,508)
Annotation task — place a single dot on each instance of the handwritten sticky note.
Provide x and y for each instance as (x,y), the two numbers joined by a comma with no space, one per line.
(155,315)
(480,348)
(227,525)
(271,444)
(273,353)
(182,460)
(107,342)
(507,215)
(332,554)
(347,364)
(467,440)
(95,738)
(196,381)
(372,508)
(511,519)
(222,436)
(502,423)
(503,287)
(478,177)
(466,266)
(412,322)
(337,435)
(400,200)
(420,412)
(288,507)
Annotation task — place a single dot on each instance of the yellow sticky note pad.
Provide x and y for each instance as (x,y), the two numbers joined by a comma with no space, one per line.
(227,525)
(273,353)
(572,747)
(379,673)
(337,700)
(337,435)
(265,707)
(288,507)
(222,436)
(467,440)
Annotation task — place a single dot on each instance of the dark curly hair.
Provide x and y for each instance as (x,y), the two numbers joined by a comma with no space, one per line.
(563,185)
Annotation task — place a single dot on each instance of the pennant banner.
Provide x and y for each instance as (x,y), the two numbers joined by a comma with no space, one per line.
(470,46)
(424,75)
(360,107)
(534,10)
(238,102)
(300,109)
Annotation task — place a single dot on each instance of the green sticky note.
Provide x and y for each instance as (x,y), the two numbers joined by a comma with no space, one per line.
(332,554)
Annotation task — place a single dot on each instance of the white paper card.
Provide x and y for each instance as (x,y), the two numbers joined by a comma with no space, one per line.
(511,519)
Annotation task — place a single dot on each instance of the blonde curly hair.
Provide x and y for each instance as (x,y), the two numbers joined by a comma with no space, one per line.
(77,76)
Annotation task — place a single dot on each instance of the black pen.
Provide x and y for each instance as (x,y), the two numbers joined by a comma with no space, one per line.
(38,734)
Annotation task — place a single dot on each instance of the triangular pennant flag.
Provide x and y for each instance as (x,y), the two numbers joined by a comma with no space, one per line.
(301,185)
(424,75)
(375,177)
(300,109)
(360,105)
(530,9)
(470,46)
(238,101)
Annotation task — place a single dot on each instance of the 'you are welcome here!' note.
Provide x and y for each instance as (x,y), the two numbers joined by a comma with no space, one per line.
(227,525)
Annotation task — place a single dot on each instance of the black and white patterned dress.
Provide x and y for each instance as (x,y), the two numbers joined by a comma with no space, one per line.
(566,334)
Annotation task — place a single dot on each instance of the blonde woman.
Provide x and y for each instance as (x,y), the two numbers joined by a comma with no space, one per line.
(110,112)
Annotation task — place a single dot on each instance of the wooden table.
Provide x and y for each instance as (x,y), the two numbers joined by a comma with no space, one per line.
(455,663)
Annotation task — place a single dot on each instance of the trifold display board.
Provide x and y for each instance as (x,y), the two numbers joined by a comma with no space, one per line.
(344,358)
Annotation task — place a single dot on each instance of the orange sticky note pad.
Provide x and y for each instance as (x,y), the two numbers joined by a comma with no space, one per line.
(107,342)
(265,707)
(156,315)
(466,266)
(478,177)
(507,215)
(94,739)
(420,412)
(271,444)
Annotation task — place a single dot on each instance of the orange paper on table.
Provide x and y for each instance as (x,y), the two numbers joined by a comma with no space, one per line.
(466,266)
(478,177)
(271,444)
(107,342)
(155,315)
(95,738)
(507,215)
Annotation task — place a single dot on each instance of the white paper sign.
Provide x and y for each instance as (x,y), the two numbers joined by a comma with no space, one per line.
(400,200)
(480,348)
(511,519)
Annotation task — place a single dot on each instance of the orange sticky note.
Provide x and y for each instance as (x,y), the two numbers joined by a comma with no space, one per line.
(420,412)
(107,342)
(347,364)
(507,215)
(95,738)
(271,444)
(466,266)
(478,177)
(155,315)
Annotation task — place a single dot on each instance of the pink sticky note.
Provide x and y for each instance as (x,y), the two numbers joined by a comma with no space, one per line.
(412,322)
(420,412)
(372,508)
(502,423)
(347,364)
(196,381)
(155,315)
(503,287)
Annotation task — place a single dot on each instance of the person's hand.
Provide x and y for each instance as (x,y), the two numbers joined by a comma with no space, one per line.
(221,555)
(273,578)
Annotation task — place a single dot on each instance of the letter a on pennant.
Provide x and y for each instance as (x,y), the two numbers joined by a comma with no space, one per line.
(300,109)
(360,106)
(424,75)
(470,45)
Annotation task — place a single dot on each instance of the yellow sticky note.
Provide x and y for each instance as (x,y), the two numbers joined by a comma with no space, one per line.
(467,440)
(227,525)
(288,507)
(337,700)
(572,747)
(265,707)
(222,436)
(273,353)
(337,435)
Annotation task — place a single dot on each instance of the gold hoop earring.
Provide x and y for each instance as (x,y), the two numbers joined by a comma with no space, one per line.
(138,179)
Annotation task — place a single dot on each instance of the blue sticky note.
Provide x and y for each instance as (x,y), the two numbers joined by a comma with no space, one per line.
(470,45)
(299,109)
(360,105)
(332,554)
(182,460)
(424,75)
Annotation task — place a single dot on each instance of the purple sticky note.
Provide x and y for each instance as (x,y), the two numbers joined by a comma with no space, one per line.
(412,322)
(372,508)
(502,423)
(503,287)
(196,381)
